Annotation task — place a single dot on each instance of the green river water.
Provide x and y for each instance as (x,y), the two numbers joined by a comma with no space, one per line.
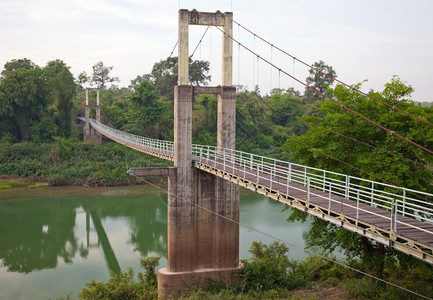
(54,239)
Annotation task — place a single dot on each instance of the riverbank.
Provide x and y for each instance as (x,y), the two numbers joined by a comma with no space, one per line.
(72,162)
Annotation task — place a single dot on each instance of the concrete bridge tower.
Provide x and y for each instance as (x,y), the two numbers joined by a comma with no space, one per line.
(90,134)
(201,244)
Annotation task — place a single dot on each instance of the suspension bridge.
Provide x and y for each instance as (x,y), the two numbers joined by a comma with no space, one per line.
(203,209)
(393,216)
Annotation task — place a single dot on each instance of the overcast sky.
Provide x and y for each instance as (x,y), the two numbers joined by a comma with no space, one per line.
(360,39)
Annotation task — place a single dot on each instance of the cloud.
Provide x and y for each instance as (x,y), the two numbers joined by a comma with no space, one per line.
(360,39)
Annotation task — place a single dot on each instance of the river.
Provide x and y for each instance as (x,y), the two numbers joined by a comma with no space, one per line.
(54,239)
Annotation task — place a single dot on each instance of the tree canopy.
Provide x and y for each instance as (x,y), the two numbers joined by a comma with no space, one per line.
(320,81)
(340,141)
(164,75)
(35,103)
(101,75)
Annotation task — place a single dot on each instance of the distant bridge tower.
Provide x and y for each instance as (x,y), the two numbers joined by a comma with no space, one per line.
(201,244)
(90,134)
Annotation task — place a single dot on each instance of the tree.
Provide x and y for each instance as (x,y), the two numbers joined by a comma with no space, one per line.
(62,91)
(137,80)
(22,63)
(285,110)
(144,111)
(319,81)
(36,103)
(101,75)
(398,162)
(23,98)
(164,75)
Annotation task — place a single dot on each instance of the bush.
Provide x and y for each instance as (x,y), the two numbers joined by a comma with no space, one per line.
(269,269)
(124,285)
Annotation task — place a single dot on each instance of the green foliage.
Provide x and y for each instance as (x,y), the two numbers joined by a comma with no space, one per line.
(36,186)
(62,90)
(205,120)
(101,75)
(22,99)
(36,103)
(320,81)
(16,64)
(11,184)
(164,75)
(124,285)
(330,127)
(270,274)
(269,269)
(334,132)
(68,161)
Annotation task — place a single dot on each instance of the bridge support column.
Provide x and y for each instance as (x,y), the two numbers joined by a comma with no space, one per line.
(201,244)
(203,240)
(227,193)
(90,134)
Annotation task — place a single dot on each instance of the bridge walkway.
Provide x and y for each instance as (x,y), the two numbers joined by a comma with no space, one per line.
(395,216)
(407,234)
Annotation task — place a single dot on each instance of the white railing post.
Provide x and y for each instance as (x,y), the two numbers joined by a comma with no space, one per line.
(289,176)
(258,177)
(395,216)
(392,215)
(357,205)
(347,186)
(215,157)
(329,196)
(224,159)
(233,160)
(244,167)
(324,180)
(372,194)
(270,178)
(305,175)
(308,189)
(404,202)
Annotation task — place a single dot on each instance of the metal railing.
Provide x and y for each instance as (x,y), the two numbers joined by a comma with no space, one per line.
(395,204)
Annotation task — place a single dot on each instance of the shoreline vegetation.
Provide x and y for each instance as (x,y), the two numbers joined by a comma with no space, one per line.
(71,162)
(271,274)
(9,184)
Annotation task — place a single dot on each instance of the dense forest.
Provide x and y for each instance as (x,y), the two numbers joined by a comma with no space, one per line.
(41,140)
(39,107)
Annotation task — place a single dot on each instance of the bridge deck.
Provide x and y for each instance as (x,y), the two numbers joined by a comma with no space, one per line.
(364,215)
(398,217)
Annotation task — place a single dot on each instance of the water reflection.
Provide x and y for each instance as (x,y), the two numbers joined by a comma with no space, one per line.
(54,239)
(33,236)
(36,232)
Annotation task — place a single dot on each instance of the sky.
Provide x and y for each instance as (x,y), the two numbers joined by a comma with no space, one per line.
(361,39)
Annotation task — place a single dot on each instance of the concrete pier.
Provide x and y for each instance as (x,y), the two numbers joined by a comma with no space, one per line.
(202,242)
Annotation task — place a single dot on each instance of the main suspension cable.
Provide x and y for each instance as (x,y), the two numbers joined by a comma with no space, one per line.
(393,133)
(331,156)
(334,78)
